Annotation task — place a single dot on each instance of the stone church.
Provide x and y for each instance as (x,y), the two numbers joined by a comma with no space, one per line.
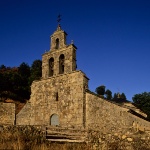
(61,98)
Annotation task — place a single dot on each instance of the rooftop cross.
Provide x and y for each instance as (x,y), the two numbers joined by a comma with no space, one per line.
(59,19)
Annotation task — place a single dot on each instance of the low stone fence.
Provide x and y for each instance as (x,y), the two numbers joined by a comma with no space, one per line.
(7,113)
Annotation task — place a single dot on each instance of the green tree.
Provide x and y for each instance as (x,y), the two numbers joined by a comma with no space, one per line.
(23,89)
(24,70)
(142,101)
(2,67)
(123,96)
(7,83)
(36,70)
(119,98)
(115,97)
(108,94)
(15,82)
(100,90)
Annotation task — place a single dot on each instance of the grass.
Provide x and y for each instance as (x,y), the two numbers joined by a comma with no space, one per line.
(31,138)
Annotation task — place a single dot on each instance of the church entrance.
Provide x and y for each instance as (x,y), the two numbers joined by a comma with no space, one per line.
(54,120)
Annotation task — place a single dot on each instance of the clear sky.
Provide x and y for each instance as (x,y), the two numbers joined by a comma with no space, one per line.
(112,37)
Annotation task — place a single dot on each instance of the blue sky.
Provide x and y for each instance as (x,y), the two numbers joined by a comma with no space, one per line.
(112,37)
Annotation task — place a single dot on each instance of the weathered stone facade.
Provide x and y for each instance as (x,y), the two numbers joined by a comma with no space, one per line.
(62,95)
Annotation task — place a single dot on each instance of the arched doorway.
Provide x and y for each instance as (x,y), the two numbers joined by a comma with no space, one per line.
(54,120)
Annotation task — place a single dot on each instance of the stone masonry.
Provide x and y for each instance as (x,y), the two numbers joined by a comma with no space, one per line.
(44,101)
(7,113)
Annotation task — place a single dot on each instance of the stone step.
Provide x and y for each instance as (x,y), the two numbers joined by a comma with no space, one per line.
(59,134)
(65,136)
(64,129)
(65,133)
(66,140)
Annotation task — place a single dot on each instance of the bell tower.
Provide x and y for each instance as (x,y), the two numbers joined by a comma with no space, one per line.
(58,39)
(61,58)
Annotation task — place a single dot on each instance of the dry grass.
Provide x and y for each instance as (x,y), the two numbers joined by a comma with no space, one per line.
(29,138)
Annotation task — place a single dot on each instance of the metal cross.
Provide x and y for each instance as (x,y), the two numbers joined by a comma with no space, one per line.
(59,19)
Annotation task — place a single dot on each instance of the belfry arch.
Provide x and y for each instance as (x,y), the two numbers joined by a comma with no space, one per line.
(57,43)
(61,63)
(51,66)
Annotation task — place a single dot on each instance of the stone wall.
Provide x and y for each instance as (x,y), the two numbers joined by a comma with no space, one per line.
(109,117)
(62,95)
(7,113)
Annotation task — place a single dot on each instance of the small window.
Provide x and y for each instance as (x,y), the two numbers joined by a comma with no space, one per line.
(57,43)
(51,66)
(56,96)
(61,63)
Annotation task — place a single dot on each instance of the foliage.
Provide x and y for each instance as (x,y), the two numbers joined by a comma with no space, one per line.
(123,96)
(108,94)
(24,70)
(36,70)
(100,90)
(2,67)
(119,98)
(15,82)
(142,101)
(115,96)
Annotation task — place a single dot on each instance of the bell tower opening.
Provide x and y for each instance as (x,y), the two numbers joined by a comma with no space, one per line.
(57,43)
(58,39)
(51,66)
(61,63)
